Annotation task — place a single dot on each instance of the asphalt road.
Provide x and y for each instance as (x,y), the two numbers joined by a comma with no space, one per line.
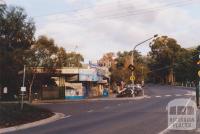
(143,116)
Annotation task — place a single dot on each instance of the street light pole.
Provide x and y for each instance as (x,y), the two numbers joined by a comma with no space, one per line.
(132,55)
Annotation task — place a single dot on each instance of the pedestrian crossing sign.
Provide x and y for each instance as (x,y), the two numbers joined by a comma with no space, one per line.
(132,78)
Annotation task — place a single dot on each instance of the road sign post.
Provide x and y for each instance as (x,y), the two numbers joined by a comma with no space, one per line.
(23,88)
(198,85)
(197,94)
(131,67)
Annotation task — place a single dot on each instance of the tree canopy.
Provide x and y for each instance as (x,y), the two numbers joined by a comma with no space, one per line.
(170,62)
(16,35)
(18,47)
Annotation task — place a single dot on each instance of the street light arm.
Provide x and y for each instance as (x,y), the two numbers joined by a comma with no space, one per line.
(143,42)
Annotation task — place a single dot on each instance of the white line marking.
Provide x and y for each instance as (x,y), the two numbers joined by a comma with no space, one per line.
(148,97)
(168,95)
(67,116)
(158,96)
(118,104)
(198,130)
(188,94)
(89,111)
(167,129)
(178,95)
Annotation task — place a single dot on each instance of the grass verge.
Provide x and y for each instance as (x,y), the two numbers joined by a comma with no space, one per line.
(12,115)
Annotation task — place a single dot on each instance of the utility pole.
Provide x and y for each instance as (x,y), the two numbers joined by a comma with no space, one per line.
(23,89)
(142,75)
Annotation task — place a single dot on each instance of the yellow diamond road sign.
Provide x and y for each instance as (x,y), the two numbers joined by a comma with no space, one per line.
(132,78)
(199,73)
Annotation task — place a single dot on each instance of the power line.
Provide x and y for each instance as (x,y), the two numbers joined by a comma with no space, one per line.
(141,11)
(159,69)
(166,67)
(103,5)
(151,10)
(78,10)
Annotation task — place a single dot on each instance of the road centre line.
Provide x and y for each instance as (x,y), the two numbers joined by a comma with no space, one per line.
(168,95)
(178,95)
(157,96)
(188,94)
(89,111)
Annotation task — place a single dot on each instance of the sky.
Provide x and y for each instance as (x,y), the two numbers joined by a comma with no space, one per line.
(95,27)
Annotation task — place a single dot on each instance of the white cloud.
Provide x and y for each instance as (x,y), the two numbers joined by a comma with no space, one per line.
(116,25)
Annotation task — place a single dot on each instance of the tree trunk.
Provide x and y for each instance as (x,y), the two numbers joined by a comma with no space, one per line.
(30,88)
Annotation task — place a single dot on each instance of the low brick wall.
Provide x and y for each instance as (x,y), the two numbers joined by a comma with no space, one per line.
(50,93)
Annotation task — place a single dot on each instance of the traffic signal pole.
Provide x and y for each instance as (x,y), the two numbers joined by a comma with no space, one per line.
(132,54)
(197,93)
(132,70)
(198,85)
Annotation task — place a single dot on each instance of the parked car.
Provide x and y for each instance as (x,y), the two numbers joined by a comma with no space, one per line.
(130,91)
(138,89)
(126,92)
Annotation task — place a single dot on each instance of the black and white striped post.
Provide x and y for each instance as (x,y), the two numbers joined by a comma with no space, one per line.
(198,85)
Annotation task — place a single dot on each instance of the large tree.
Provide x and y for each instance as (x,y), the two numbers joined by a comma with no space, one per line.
(44,51)
(185,68)
(16,35)
(164,54)
(119,66)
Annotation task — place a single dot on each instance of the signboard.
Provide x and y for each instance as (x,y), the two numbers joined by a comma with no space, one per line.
(132,78)
(88,75)
(131,67)
(69,70)
(23,89)
(5,90)
(74,91)
(199,73)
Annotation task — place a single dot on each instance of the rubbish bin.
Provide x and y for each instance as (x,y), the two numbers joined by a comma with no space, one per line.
(105,92)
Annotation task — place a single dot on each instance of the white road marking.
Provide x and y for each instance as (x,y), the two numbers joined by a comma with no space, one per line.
(198,130)
(148,97)
(168,95)
(158,96)
(167,129)
(89,111)
(118,104)
(67,116)
(188,94)
(178,95)
(191,93)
